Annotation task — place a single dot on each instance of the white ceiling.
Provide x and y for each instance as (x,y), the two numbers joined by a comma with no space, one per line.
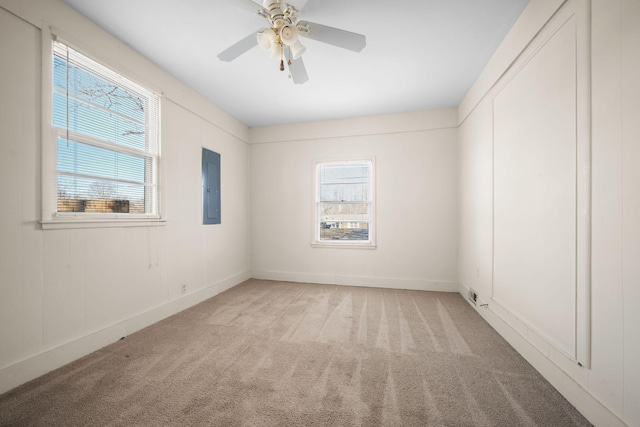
(420,54)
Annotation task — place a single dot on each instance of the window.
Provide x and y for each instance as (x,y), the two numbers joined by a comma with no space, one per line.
(105,149)
(210,187)
(344,203)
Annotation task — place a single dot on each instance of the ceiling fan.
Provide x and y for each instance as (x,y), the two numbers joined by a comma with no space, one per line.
(281,40)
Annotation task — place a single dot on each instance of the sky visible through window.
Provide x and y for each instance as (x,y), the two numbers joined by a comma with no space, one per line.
(344,183)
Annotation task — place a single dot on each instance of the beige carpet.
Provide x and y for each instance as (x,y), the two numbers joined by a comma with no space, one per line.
(290,354)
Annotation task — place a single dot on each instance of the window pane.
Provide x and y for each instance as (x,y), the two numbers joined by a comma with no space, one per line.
(87,86)
(358,231)
(83,159)
(87,119)
(343,221)
(80,194)
(344,173)
(343,211)
(344,182)
(344,192)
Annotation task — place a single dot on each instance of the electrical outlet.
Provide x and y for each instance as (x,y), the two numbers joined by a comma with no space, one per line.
(183,288)
(473,296)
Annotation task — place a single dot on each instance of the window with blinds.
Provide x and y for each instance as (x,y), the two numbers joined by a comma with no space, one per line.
(344,197)
(106,140)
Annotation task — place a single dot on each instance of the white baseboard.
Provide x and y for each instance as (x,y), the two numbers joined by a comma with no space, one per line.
(370,282)
(548,364)
(26,370)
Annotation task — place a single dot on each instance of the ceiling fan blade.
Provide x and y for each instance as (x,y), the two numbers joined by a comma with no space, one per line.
(248,5)
(298,71)
(239,48)
(334,36)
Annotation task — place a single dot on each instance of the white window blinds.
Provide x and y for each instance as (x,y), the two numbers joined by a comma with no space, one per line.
(107,139)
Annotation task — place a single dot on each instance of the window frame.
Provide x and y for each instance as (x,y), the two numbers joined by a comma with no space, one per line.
(50,217)
(354,244)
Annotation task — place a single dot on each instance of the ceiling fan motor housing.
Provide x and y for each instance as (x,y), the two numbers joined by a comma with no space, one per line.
(283,20)
(280,14)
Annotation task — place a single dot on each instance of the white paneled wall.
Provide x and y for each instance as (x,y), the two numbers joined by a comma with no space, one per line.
(534,188)
(20,240)
(630,125)
(607,392)
(66,292)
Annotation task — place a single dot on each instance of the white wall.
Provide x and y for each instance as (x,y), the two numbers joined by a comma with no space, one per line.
(416,208)
(64,293)
(615,378)
(607,392)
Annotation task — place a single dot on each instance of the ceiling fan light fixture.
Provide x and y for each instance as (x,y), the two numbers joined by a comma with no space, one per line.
(266,39)
(297,49)
(289,35)
(276,51)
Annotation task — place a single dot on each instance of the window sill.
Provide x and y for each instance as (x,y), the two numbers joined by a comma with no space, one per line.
(68,223)
(334,245)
